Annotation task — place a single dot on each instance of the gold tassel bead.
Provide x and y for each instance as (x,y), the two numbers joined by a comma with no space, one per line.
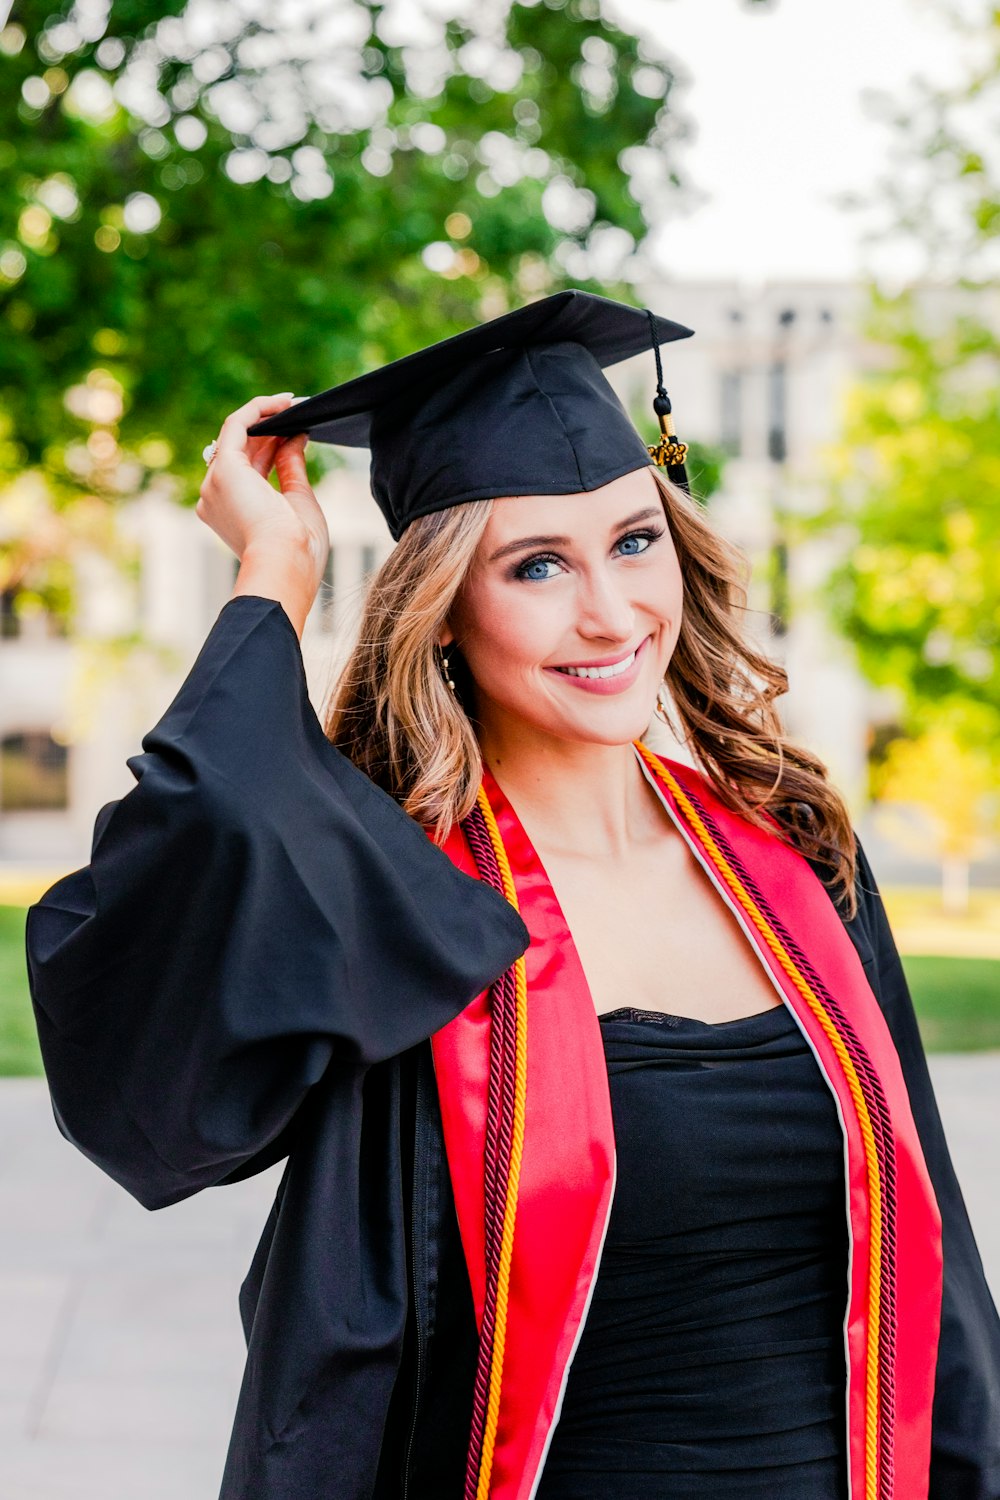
(667,451)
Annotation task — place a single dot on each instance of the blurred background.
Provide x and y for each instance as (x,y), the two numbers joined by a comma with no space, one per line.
(205,201)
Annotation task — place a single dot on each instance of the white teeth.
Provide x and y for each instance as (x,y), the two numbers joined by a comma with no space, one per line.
(614,671)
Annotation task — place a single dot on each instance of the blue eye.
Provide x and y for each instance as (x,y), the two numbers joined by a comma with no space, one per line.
(633,544)
(529,569)
(628,547)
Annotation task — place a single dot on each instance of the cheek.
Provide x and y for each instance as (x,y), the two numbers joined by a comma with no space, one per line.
(663,593)
(509,629)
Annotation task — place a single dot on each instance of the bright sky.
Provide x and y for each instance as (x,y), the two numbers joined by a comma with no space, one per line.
(780,128)
(775,96)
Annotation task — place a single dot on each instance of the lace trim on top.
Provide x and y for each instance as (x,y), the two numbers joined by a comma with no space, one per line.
(665,1018)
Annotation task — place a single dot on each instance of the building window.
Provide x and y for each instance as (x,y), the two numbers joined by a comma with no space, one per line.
(33,772)
(731,411)
(779,588)
(777,446)
(368,561)
(34,623)
(10,624)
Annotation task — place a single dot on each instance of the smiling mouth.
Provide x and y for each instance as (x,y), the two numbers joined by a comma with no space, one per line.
(614,670)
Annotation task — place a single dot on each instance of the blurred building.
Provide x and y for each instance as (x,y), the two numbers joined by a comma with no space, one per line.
(74,706)
(762,380)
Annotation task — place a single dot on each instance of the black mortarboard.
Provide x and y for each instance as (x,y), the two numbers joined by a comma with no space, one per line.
(514,406)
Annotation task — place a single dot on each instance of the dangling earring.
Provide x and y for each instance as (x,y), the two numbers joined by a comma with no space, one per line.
(446,669)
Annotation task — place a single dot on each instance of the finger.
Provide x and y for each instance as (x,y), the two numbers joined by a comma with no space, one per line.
(290,466)
(299,496)
(261,452)
(233,433)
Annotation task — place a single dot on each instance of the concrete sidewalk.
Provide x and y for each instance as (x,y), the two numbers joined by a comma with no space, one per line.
(121,1350)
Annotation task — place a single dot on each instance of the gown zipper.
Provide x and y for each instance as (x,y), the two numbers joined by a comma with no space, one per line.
(417,1251)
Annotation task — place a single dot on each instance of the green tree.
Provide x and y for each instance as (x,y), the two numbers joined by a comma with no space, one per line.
(196,205)
(953,828)
(916,478)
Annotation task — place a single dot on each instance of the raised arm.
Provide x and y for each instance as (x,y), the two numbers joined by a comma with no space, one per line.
(281,537)
(253,907)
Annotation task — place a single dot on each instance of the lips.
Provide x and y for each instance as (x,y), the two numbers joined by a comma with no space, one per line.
(611,671)
(605,677)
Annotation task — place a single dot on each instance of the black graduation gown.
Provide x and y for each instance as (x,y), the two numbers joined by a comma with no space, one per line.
(260,934)
(249,969)
(965,1425)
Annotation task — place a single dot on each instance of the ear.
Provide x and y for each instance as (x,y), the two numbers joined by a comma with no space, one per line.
(446,636)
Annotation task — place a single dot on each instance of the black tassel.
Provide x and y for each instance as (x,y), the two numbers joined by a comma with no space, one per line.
(668,453)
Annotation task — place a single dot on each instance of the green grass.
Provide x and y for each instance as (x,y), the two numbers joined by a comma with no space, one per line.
(19,1054)
(957,1001)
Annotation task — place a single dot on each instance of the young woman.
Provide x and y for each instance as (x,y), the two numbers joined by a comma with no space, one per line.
(614,1164)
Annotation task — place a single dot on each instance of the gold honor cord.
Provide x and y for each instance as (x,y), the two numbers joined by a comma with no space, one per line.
(850,1073)
(517,1142)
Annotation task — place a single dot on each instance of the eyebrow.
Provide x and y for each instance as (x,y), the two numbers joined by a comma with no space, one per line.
(648,513)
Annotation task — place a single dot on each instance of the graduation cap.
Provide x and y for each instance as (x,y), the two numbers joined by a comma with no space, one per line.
(518,405)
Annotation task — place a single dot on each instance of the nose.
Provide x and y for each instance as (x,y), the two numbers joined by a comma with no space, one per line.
(603,608)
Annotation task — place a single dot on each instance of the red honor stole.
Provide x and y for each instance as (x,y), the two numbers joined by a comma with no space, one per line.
(533,1211)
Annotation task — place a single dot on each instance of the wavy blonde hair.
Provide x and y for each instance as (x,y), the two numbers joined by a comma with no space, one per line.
(393,715)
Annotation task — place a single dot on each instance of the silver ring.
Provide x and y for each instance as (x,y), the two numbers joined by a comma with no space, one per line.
(208,452)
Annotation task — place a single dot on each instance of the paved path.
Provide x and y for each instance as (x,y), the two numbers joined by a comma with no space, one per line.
(120,1343)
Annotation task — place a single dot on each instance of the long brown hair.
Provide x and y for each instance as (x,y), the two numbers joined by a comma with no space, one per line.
(393,714)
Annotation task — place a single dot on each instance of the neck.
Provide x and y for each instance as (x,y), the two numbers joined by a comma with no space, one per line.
(575,797)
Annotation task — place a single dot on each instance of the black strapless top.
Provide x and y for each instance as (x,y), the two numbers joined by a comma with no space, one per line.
(711,1363)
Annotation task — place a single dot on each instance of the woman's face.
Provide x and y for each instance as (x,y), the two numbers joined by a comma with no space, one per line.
(570,613)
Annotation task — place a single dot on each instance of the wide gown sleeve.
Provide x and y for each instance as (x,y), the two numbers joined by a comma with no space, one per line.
(253,906)
(965,1443)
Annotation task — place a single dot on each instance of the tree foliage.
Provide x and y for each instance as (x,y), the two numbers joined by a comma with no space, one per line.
(917,475)
(939,197)
(203,201)
(956,828)
(200,202)
(918,590)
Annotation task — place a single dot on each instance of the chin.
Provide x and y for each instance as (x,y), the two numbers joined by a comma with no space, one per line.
(608,729)
(614,737)
(596,721)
